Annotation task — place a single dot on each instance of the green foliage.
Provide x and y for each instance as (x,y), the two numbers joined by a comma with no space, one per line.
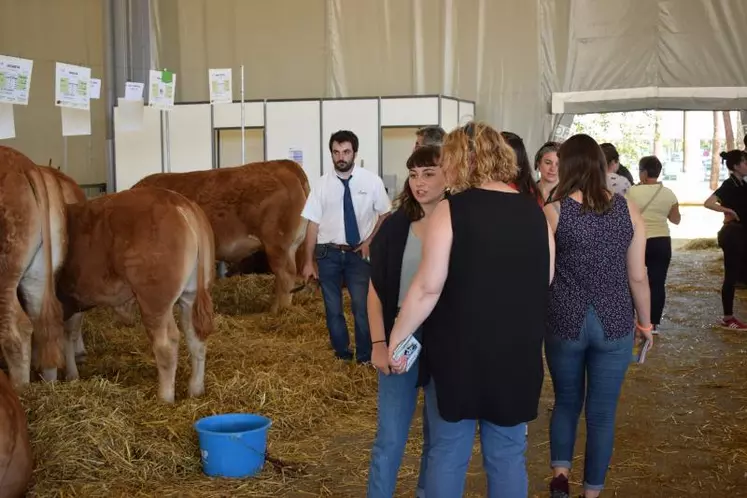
(632,133)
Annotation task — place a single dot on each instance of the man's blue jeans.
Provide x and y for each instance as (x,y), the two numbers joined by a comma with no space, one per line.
(334,266)
(573,364)
(398,398)
(503,454)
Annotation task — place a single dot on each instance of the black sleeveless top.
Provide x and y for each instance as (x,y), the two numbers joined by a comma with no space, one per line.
(483,341)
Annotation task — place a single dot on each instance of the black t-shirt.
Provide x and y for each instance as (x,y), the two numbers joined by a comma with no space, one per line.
(733,194)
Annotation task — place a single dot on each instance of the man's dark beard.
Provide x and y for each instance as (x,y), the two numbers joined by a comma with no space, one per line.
(343,167)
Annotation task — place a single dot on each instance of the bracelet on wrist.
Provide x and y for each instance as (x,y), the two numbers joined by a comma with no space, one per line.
(376,342)
(644,329)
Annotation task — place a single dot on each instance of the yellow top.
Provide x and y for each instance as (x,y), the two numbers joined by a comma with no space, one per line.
(655,214)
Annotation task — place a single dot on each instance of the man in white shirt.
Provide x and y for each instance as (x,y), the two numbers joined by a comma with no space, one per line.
(344,209)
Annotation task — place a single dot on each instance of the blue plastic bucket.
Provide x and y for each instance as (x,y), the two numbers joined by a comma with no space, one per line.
(232,445)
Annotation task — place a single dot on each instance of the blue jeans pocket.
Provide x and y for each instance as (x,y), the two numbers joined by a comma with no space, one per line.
(320,251)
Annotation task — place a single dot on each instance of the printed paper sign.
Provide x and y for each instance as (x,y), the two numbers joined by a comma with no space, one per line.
(296,155)
(72,86)
(162,86)
(95,88)
(220,86)
(15,80)
(133,90)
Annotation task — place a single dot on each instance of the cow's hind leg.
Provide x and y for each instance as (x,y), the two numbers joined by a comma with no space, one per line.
(164,336)
(73,344)
(15,343)
(197,348)
(32,288)
(283,265)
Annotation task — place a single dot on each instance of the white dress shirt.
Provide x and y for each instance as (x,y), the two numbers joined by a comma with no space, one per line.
(325,204)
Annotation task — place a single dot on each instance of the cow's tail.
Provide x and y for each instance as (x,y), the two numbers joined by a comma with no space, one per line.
(48,332)
(299,245)
(202,311)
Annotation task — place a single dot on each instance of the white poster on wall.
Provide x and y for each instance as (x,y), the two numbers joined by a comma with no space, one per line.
(72,86)
(133,90)
(95,88)
(162,87)
(296,155)
(75,121)
(15,79)
(7,121)
(220,86)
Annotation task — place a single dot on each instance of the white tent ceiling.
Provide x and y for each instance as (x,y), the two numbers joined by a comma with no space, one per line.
(510,56)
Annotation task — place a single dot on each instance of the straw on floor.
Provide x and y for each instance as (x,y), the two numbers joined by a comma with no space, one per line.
(108,435)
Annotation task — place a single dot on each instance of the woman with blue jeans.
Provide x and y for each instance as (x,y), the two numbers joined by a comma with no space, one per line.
(599,267)
(480,294)
(395,256)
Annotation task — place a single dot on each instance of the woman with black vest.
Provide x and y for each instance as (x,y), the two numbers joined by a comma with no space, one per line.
(395,256)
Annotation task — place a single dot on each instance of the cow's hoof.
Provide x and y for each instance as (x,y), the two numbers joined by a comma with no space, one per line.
(72,377)
(196,391)
(167,398)
(49,375)
(81,357)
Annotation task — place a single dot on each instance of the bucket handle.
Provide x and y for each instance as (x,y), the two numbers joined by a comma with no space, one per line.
(276,462)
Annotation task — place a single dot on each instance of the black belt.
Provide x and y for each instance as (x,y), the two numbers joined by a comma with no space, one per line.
(342,247)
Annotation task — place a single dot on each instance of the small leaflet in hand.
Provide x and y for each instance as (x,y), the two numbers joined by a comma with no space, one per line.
(410,348)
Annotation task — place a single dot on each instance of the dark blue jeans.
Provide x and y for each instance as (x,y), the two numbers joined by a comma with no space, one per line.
(503,454)
(398,398)
(593,369)
(336,266)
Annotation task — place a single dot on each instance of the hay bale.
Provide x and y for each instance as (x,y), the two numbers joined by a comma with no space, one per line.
(700,244)
(108,435)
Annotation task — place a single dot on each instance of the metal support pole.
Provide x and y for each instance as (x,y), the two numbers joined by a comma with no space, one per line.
(167,140)
(243,120)
(110,84)
(64,155)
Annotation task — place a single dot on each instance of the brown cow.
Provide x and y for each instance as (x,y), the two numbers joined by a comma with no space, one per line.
(152,245)
(16,460)
(252,207)
(32,249)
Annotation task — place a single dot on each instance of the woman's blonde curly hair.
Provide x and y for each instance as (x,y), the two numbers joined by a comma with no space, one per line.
(474,154)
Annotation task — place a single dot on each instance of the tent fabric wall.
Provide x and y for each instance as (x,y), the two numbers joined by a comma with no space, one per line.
(48,32)
(506,55)
(481,50)
(590,45)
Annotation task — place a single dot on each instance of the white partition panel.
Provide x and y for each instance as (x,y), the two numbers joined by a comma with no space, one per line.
(361,116)
(229,115)
(190,138)
(409,111)
(466,112)
(449,114)
(295,125)
(137,153)
(229,146)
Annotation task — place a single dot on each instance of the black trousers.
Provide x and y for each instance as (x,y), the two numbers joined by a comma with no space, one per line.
(731,239)
(658,257)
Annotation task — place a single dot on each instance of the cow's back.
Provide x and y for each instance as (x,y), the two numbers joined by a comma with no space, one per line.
(16,460)
(71,191)
(258,199)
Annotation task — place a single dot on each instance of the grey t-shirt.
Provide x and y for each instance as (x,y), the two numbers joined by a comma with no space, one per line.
(410,262)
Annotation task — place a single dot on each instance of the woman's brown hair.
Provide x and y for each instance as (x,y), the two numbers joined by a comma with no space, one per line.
(427,156)
(583,166)
(475,154)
